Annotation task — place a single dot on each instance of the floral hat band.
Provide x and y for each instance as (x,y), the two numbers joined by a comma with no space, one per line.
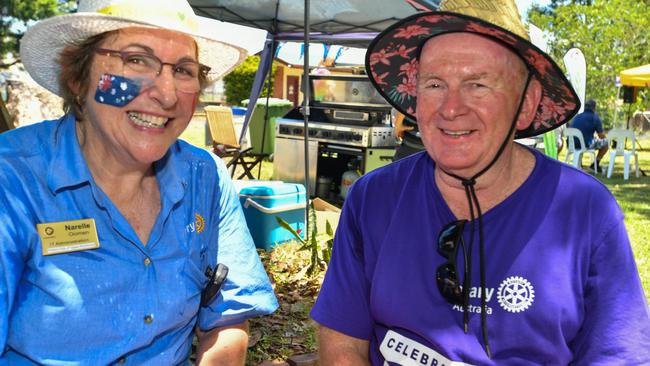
(392,63)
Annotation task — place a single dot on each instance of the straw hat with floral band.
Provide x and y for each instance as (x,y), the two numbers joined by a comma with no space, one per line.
(392,65)
(43,42)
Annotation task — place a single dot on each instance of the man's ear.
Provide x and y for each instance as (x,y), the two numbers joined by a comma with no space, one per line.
(531,102)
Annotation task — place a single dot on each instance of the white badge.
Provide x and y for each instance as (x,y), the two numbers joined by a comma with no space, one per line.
(407,352)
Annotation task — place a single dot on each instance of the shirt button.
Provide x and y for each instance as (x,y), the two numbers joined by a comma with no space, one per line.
(121,360)
(147,261)
(148,319)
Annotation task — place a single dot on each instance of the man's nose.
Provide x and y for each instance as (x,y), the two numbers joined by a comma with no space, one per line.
(453,104)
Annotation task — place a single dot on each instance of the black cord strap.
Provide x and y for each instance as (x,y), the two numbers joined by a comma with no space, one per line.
(472,199)
(467,281)
(481,249)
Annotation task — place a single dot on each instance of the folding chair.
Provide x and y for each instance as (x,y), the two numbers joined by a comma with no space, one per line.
(619,138)
(225,143)
(577,153)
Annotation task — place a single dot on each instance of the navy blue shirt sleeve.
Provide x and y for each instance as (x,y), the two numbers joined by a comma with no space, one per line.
(598,124)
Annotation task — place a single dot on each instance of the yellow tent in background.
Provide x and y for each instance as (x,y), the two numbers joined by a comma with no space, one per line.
(638,76)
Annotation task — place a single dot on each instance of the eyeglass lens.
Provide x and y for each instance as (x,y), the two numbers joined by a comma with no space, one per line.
(140,65)
(186,74)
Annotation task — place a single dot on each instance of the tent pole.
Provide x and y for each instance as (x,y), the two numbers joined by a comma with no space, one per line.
(265,60)
(266,109)
(305,112)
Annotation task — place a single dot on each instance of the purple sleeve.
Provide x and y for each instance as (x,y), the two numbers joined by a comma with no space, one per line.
(616,327)
(343,303)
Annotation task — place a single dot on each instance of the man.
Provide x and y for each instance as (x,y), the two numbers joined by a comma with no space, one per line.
(469,260)
(589,123)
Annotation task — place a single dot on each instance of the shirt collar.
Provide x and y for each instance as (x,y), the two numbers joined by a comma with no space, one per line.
(172,186)
(67,167)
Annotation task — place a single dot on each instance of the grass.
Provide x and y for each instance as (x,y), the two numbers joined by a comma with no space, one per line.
(195,135)
(195,131)
(290,331)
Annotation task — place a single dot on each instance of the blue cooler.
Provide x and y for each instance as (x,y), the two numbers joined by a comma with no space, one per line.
(262,203)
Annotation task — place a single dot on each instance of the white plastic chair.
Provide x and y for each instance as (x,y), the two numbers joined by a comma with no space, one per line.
(620,136)
(569,133)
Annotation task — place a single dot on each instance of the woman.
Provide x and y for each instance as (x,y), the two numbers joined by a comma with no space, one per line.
(110,226)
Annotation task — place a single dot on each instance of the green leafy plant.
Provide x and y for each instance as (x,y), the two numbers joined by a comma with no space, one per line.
(320,245)
(238,83)
(612,34)
(17,15)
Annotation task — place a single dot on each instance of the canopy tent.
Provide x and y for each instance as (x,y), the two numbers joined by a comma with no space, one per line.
(285,19)
(320,53)
(340,22)
(250,39)
(638,76)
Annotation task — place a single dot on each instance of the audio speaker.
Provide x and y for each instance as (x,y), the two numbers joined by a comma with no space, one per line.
(629,94)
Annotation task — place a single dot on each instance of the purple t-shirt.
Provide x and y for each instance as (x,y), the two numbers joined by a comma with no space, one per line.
(562,285)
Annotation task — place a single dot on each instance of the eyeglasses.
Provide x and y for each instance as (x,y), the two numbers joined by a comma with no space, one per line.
(142,64)
(449,240)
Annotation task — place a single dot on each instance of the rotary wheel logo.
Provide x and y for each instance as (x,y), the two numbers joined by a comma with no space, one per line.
(515,294)
(200,223)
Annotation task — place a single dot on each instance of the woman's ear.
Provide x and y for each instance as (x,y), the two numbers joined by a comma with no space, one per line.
(69,74)
(531,102)
(74,86)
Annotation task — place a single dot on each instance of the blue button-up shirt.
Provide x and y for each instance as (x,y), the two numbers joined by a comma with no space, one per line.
(125,300)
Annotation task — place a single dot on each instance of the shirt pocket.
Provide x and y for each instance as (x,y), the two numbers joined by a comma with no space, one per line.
(195,281)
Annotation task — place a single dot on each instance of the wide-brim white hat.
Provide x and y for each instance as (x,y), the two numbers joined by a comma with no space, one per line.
(43,42)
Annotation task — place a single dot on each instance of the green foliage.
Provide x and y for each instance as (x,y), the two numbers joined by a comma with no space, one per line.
(239,82)
(320,246)
(17,15)
(612,34)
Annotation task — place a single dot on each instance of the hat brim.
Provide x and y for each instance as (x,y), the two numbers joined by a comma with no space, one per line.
(43,42)
(392,65)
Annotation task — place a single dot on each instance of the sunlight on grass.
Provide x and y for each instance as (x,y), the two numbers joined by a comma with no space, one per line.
(195,131)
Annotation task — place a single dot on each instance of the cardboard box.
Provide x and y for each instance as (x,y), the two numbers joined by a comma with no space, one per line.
(325,211)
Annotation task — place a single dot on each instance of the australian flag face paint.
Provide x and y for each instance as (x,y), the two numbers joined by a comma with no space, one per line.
(116,90)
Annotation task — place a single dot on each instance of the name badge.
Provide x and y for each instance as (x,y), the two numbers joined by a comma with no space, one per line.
(404,351)
(68,236)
